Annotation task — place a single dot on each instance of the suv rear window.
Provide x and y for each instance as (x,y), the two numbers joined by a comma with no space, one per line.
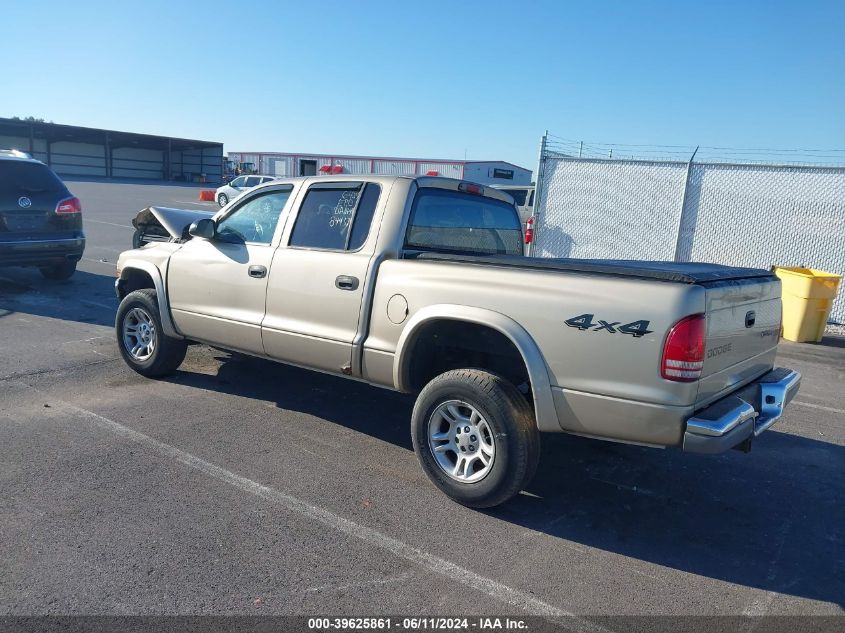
(445,220)
(19,178)
(518,195)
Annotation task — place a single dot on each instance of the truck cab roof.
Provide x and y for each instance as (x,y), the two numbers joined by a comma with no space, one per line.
(439,182)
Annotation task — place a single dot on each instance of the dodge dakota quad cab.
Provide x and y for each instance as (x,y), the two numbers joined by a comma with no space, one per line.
(419,285)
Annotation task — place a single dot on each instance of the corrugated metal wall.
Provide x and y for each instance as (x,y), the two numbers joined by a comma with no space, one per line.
(39,146)
(131,162)
(393,167)
(69,158)
(449,170)
(78,159)
(737,214)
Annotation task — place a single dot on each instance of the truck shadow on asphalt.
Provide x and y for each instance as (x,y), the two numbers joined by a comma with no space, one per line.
(773,520)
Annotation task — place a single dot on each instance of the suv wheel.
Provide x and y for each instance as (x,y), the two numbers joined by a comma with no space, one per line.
(141,339)
(222,199)
(475,437)
(59,272)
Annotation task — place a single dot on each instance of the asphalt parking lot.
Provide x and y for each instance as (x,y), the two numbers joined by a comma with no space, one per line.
(238,486)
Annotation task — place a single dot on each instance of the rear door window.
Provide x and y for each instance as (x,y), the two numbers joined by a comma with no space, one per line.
(336,216)
(456,222)
(252,181)
(22,178)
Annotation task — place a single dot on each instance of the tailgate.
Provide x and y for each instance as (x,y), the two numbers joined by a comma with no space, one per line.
(743,328)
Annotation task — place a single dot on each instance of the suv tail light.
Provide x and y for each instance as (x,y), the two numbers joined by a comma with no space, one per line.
(529,230)
(69,205)
(683,352)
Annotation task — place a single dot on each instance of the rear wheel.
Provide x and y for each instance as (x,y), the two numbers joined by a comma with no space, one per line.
(141,339)
(475,437)
(222,199)
(59,272)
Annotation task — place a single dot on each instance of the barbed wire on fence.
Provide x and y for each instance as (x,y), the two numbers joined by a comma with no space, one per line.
(572,148)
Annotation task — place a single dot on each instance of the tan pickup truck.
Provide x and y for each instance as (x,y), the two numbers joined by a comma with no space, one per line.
(419,285)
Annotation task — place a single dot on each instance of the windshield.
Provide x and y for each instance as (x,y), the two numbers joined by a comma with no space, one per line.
(21,177)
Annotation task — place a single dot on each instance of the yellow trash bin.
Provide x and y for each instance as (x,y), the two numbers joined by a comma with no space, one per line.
(808,296)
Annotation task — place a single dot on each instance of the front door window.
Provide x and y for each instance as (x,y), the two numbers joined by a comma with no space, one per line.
(254,221)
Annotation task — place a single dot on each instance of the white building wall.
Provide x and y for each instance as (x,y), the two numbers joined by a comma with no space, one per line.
(485,173)
(280,164)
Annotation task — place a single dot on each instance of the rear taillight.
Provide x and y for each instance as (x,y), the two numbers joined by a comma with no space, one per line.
(69,205)
(529,230)
(683,353)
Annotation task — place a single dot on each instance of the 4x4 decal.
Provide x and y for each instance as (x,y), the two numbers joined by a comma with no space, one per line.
(585,322)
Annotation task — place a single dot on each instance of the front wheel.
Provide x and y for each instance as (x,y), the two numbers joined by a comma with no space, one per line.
(475,437)
(222,199)
(141,339)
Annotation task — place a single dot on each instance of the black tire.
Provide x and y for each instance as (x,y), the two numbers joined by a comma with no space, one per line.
(222,199)
(168,353)
(59,272)
(516,438)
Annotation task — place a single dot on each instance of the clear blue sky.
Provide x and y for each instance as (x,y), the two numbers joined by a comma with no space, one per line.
(434,79)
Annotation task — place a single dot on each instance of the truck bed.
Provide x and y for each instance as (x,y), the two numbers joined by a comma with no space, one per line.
(699,273)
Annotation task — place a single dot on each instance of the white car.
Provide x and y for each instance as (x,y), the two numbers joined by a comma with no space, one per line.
(237,186)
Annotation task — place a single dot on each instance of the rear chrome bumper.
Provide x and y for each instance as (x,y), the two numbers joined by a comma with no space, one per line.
(743,415)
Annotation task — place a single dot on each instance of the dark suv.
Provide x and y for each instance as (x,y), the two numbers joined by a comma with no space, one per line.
(40,220)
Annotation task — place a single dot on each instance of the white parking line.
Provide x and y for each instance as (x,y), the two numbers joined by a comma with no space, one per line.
(818,406)
(97,261)
(451,571)
(123,226)
(99,305)
(761,606)
(361,585)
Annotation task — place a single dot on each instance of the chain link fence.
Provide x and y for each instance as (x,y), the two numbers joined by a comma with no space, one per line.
(741,214)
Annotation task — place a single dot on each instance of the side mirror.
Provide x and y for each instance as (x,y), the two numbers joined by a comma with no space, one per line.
(203,228)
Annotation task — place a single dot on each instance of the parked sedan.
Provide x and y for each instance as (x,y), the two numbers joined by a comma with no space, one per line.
(40,220)
(237,186)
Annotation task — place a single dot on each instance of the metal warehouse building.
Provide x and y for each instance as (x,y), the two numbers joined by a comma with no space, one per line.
(82,151)
(285,164)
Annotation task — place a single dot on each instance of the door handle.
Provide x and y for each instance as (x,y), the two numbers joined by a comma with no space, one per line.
(346,282)
(257,271)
